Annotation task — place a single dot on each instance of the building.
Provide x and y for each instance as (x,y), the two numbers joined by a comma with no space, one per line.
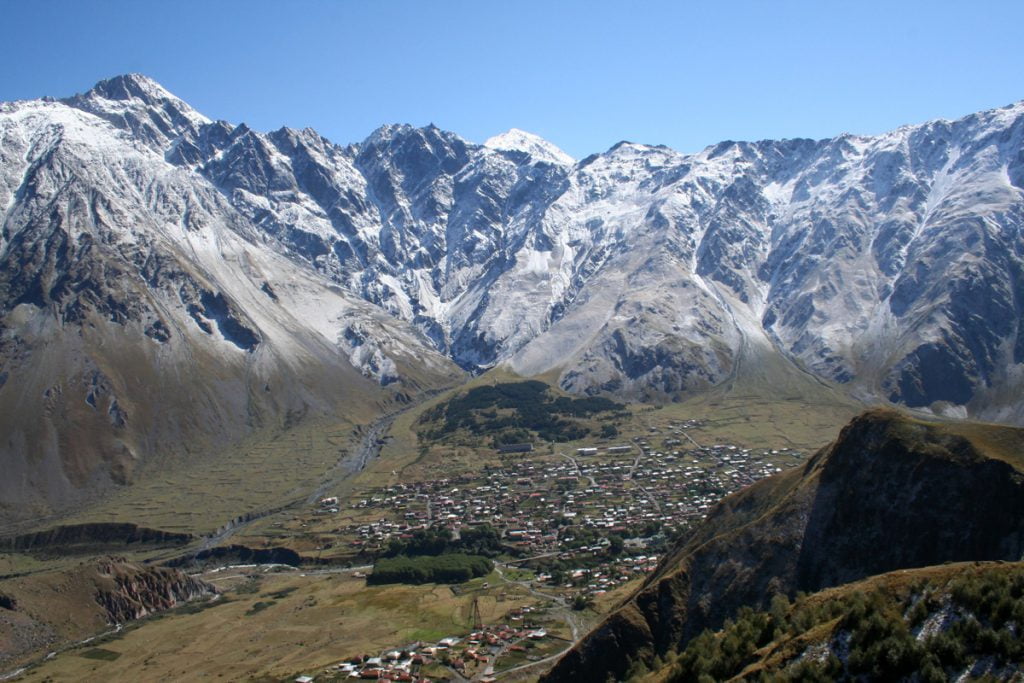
(516,448)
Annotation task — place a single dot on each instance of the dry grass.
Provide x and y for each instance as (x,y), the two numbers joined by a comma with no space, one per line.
(306,623)
(199,494)
(606,602)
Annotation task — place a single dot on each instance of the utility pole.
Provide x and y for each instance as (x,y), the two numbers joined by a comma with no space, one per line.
(478,621)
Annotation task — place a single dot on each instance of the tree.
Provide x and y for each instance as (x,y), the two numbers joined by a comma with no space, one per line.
(582,602)
(616,544)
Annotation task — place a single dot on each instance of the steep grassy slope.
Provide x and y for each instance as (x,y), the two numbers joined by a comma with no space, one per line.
(889,493)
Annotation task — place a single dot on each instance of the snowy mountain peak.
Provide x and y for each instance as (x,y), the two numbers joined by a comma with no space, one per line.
(403,134)
(515,140)
(141,105)
(129,86)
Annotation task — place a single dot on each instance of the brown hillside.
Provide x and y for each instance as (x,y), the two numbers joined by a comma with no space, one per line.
(891,492)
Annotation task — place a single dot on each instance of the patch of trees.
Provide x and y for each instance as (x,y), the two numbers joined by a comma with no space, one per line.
(474,540)
(448,568)
(512,412)
(880,634)
(714,657)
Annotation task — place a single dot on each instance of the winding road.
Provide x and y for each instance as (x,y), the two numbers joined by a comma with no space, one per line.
(576,628)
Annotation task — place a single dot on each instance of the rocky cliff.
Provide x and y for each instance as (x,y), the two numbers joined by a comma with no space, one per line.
(91,538)
(127,591)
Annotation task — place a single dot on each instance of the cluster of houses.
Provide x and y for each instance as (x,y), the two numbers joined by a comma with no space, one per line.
(606,575)
(464,655)
(534,500)
(567,506)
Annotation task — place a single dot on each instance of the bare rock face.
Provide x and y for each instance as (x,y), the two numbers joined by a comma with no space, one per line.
(890,493)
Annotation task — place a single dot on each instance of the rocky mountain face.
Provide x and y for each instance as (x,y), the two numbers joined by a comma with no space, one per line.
(168,279)
(142,315)
(890,493)
(128,591)
(892,264)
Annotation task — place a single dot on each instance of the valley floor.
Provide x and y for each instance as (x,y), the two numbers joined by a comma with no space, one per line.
(581,529)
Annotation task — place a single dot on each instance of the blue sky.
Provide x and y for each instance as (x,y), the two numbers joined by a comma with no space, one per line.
(583,74)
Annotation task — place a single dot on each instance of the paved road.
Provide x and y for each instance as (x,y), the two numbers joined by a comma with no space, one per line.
(579,471)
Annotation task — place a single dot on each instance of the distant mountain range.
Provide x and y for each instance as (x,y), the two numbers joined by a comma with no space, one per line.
(166,279)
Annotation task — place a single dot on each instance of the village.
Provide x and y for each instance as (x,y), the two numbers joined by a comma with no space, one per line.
(575,523)
(570,503)
(480,655)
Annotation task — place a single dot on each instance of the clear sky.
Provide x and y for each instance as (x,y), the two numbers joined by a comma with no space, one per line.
(581,73)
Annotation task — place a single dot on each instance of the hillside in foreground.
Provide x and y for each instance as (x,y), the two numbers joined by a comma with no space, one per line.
(890,493)
(936,624)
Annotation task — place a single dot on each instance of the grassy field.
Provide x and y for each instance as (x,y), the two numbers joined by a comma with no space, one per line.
(199,494)
(757,422)
(19,563)
(303,623)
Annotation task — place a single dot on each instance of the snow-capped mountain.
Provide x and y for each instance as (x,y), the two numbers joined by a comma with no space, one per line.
(137,231)
(535,147)
(890,263)
(142,315)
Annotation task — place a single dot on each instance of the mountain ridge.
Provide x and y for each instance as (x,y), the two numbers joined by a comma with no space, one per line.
(137,231)
(142,316)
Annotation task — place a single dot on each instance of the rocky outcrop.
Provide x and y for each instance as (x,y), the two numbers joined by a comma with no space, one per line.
(127,591)
(244,555)
(42,612)
(890,493)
